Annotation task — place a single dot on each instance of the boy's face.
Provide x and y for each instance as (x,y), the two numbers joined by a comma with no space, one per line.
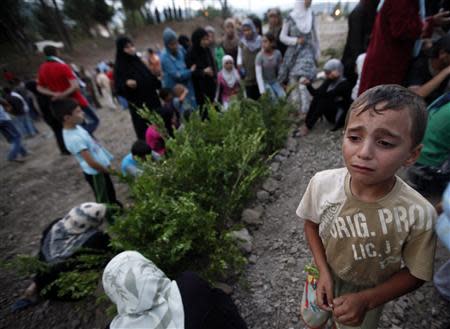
(76,118)
(375,145)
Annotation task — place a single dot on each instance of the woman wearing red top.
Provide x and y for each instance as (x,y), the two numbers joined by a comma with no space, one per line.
(397,27)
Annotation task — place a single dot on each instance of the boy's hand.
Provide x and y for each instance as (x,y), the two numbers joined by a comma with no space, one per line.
(324,292)
(57,96)
(350,309)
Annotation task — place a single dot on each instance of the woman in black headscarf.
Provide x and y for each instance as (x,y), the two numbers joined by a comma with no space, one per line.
(204,76)
(136,83)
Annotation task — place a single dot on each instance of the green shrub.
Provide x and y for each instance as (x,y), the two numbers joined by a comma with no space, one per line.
(185,206)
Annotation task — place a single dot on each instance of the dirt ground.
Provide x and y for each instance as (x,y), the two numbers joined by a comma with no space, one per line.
(48,184)
(270,290)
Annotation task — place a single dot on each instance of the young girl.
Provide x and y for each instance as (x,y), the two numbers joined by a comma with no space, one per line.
(248,49)
(228,81)
(267,64)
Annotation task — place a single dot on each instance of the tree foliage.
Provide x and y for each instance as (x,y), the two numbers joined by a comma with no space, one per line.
(103,13)
(88,12)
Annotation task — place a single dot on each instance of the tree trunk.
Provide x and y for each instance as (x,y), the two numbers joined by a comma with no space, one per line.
(62,26)
(224,5)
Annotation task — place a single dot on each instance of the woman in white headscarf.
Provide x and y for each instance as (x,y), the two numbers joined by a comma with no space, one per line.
(63,239)
(147,299)
(249,47)
(228,82)
(299,33)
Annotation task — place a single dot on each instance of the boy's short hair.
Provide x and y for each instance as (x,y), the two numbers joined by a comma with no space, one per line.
(164,93)
(141,149)
(62,107)
(50,50)
(393,97)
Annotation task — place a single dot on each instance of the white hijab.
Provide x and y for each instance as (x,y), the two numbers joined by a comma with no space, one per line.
(230,77)
(144,296)
(302,16)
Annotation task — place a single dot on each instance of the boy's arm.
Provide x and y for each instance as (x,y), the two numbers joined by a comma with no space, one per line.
(92,163)
(350,309)
(45,91)
(324,292)
(74,86)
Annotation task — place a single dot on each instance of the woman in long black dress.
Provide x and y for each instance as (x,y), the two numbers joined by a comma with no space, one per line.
(136,83)
(204,76)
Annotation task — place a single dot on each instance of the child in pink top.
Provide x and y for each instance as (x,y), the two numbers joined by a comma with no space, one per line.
(154,139)
(228,81)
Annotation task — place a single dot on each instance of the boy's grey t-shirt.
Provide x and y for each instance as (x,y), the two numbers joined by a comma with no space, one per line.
(77,140)
(270,64)
(366,243)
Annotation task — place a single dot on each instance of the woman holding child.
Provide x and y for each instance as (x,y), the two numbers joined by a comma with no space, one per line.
(174,67)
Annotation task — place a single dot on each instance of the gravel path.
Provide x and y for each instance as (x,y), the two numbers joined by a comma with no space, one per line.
(269,291)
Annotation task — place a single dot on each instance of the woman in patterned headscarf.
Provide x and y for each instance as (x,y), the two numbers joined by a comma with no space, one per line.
(62,240)
(249,47)
(300,35)
(147,299)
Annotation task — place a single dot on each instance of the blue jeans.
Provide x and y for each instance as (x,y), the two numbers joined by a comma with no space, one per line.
(123,102)
(91,121)
(275,89)
(25,125)
(12,135)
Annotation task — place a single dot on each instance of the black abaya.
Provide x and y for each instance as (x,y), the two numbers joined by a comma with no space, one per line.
(130,67)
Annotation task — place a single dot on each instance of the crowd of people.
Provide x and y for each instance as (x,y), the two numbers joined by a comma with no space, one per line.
(389,92)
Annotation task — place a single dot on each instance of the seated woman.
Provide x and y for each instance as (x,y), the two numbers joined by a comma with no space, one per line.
(147,299)
(61,241)
(332,99)
(431,172)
